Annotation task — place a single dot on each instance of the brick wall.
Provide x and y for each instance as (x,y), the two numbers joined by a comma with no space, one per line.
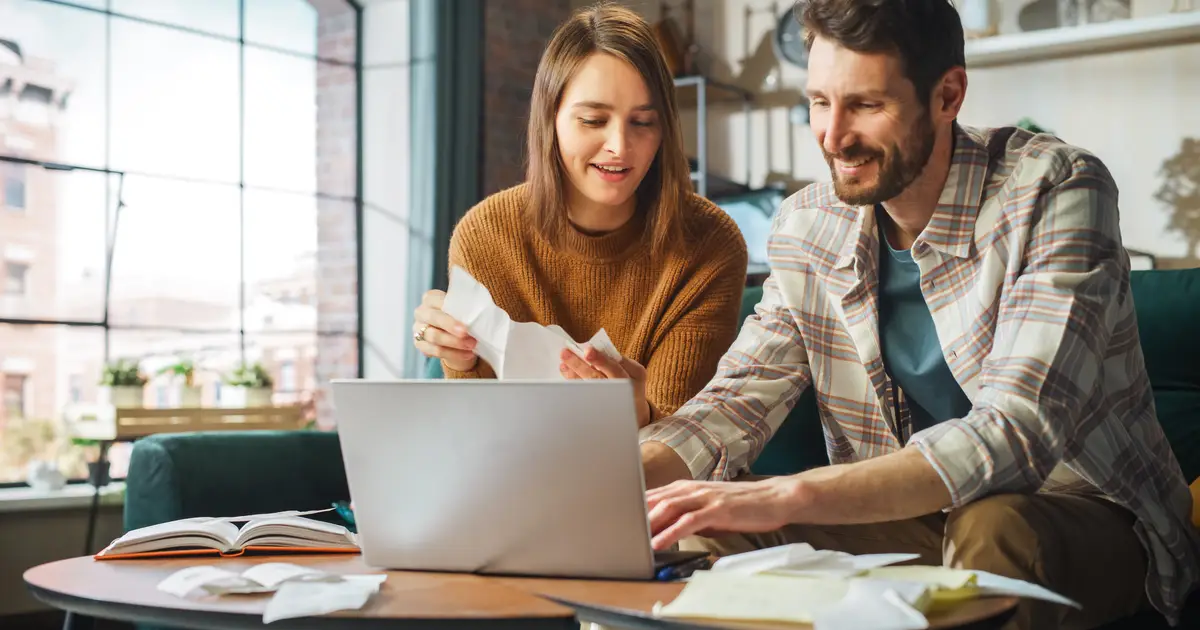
(337,271)
(516,32)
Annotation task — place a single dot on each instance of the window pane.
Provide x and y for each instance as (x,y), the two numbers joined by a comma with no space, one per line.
(326,30)
(57,53)
(385,36)
(214,356)
(281,121)
(38,369)
(219,17)
(15,396)
(177,256)
(281,260)
(175,103)
(51,272)
(14,186)
(291,360)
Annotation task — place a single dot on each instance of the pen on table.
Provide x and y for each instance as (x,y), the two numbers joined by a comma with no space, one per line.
(681,570)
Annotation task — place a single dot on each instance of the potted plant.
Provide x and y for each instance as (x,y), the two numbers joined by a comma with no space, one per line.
(248,386)
(98,469)
(184,371)
(122,384)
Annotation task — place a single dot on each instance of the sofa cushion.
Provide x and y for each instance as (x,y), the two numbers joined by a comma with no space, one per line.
(1179,414)
(231,473)
(1167,303)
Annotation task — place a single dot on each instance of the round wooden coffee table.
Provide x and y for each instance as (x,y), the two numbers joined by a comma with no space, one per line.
(126,590)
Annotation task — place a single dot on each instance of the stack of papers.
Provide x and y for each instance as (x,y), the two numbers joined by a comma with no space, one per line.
(834,590)
(515,350)
(298,591)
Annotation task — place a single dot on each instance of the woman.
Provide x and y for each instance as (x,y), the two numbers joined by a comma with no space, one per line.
(605,232)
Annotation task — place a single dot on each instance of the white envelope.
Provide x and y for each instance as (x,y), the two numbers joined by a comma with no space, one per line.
(515,350)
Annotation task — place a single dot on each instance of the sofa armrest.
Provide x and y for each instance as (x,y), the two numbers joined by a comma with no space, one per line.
(230,473)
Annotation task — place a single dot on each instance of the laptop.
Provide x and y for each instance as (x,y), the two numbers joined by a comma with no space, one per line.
(534,478)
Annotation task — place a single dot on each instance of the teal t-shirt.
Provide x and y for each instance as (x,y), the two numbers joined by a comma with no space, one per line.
(911,350)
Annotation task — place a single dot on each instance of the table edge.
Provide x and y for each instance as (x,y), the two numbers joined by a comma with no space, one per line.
(219,620)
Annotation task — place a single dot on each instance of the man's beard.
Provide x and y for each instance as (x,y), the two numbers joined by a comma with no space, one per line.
(897,167)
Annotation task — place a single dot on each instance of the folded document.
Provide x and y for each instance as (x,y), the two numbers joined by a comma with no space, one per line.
(515,350)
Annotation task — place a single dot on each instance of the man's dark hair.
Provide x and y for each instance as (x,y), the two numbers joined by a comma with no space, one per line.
(926,35)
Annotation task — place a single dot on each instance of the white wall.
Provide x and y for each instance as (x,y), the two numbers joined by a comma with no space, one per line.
(1133,108)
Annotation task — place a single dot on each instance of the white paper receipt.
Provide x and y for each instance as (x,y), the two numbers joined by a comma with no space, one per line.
(515,350)
(298,591)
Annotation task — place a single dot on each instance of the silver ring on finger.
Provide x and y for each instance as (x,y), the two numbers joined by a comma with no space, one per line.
(420,335)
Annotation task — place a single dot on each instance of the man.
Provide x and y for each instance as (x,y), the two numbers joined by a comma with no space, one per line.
(960,301)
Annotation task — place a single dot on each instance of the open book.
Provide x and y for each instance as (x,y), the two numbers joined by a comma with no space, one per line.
(285,532)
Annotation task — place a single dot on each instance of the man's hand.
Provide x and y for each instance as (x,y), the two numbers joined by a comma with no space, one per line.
(711,508)
(892,487)
(596,364)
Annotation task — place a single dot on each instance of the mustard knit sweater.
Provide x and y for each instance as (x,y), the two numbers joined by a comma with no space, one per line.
(676,316)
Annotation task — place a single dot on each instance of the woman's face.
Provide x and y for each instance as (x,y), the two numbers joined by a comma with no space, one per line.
(608,132)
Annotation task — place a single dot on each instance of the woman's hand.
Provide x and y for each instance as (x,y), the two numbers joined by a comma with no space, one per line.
(436,334)
(596,364)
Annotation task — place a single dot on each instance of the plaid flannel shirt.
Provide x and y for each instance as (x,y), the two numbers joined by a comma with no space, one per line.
(1023,269)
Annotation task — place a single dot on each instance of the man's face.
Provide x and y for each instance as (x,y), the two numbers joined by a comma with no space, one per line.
(875,133)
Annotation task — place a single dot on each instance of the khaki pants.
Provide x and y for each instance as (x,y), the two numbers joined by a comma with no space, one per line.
(1080,546)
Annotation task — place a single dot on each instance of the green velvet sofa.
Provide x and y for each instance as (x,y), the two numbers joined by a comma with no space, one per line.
(175,476)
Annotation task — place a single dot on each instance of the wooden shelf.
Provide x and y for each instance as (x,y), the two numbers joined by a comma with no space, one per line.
(108,423)
(1090,39)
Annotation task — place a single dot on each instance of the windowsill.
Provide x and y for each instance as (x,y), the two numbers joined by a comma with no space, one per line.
(71,496)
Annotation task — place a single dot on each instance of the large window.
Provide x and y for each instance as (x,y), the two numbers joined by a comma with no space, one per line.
(188,175)
(14,396)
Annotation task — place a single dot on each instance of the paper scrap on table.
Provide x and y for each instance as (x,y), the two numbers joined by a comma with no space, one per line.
(260,578)
(992,584)
(186,582)
(879,605)
(515,350)
(801,559)
(298,591)
(983,582)
(307,599)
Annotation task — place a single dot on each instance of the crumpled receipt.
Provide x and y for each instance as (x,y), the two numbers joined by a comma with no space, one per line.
(298,591)
(515,350)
